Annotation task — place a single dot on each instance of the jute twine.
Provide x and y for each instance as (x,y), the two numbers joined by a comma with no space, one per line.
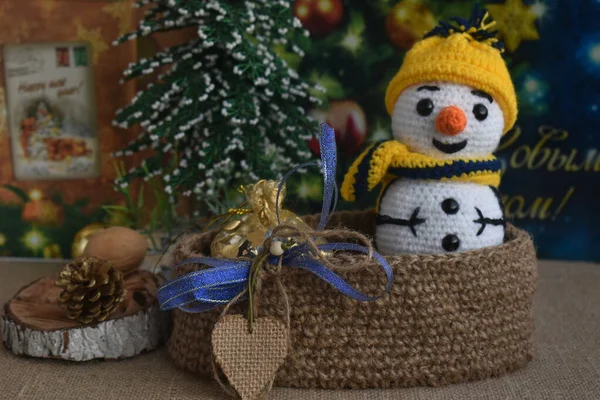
(449,318)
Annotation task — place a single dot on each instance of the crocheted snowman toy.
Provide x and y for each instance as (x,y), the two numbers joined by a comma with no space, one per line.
(450,102)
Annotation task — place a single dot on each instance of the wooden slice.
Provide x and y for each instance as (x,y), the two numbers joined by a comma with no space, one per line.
(35,325)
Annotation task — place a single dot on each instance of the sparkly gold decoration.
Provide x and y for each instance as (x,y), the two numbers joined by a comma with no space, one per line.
(407,22)
(92,289)
(34,240)
(82,237)
(515,21)
(244,237)
(94,38)
(122,12)
(52,251)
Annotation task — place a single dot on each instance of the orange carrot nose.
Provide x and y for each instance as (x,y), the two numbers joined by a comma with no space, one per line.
(451,121)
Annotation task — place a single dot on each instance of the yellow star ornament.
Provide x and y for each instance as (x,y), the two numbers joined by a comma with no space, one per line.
(93,37)
(122,12)
(515,21)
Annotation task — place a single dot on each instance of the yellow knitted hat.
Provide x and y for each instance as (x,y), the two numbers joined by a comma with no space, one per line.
(462,55)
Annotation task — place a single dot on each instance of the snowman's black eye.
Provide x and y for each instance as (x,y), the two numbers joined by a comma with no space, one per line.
(480,112)
(425,107)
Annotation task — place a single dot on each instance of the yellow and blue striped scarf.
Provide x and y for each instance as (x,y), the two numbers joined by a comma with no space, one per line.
(385,161)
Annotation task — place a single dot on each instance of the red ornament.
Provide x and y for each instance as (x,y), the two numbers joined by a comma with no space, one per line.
(319,17)
(43,212)
(348,120)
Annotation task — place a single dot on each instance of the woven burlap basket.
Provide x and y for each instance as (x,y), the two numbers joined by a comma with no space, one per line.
(449,318)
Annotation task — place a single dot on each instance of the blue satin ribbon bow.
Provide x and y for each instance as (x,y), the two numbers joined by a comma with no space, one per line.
(209,288)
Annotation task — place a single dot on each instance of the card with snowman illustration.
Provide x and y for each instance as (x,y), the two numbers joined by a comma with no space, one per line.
(51,111)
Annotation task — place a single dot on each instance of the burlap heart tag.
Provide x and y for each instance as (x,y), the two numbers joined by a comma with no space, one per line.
(249,360)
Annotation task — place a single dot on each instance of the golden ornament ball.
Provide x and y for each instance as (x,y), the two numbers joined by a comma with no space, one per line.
(124,247)
(82,237)
(407,22)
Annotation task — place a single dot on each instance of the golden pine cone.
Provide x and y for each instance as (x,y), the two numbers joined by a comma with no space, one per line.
(92,289)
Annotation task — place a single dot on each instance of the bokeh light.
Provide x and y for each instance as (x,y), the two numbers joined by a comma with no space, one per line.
(539,9)
(532,91)
(34,240)
(352,42)
(35,194)
(588,54)
(594,53)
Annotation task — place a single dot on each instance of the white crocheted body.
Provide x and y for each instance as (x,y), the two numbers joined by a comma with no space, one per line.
(446,216)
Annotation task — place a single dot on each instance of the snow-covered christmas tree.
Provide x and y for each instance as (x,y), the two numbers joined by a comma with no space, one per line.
(225,106)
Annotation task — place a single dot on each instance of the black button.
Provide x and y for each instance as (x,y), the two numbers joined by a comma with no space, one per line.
(450,242)
(450,206)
